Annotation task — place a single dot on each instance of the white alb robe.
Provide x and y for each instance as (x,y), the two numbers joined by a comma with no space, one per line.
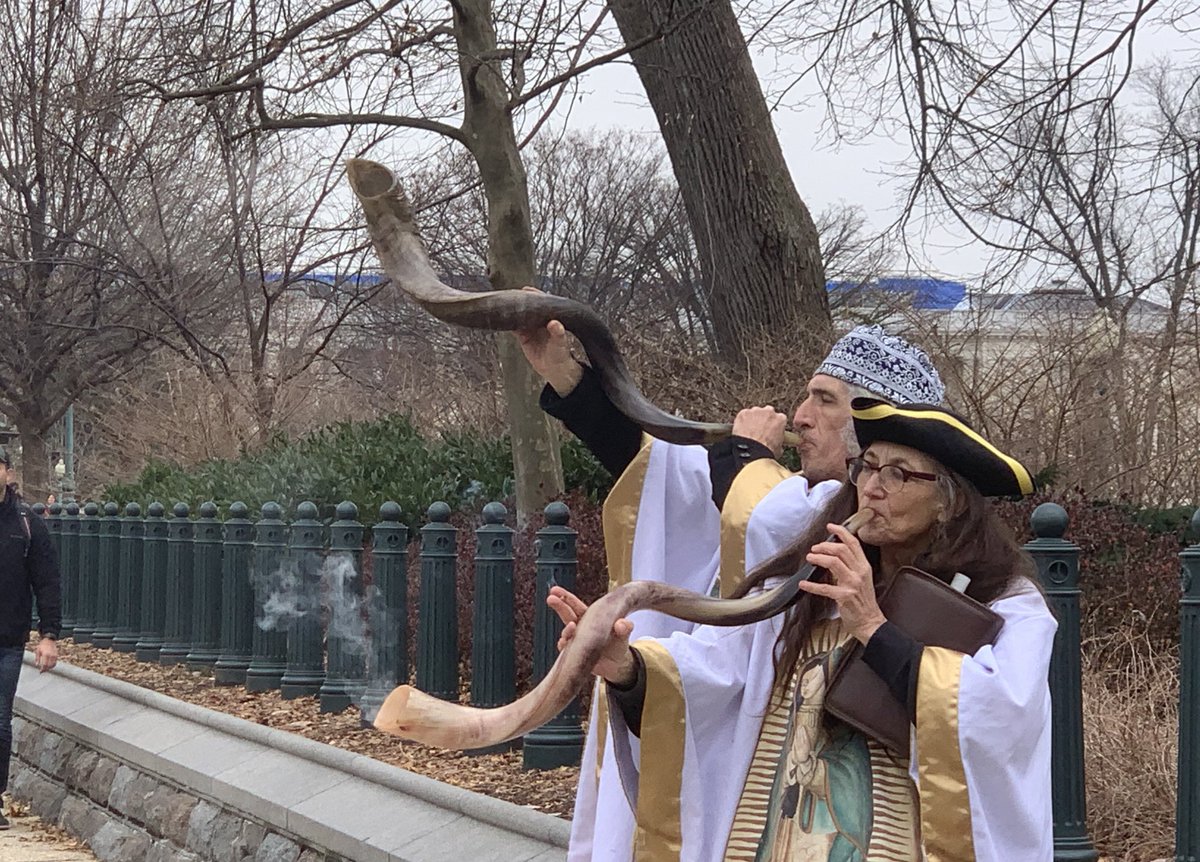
(661,524)
(980,754)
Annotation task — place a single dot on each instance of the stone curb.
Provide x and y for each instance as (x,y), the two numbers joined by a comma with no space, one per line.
(494,812)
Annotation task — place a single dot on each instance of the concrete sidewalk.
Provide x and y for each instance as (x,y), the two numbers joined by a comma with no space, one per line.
(24,843)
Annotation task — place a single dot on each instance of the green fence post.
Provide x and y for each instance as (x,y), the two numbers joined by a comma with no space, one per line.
(493,653)
(558,742)
(1187,804)
(89,540)
(68,563)
(41,512)
(54,527)
(305,651)
(1058,567)
(437,623)
(129,591)
(154,584)
(207,554)
(108,580)
(345,636)
(388,610)
(269,642)
(177,621)
(237,599)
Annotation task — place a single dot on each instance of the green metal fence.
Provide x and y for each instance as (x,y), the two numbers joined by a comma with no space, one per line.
(273,604)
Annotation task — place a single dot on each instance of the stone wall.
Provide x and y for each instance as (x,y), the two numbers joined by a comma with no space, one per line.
(124,814)
(140,776)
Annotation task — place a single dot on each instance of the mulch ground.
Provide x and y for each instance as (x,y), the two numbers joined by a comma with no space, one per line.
(497,775)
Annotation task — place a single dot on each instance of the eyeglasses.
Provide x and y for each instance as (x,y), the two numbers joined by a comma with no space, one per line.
(891,476)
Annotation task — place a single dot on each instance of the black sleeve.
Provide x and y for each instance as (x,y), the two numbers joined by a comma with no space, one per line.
(42,565)
(631,699)
(896,657)
(588,414)
(727,458)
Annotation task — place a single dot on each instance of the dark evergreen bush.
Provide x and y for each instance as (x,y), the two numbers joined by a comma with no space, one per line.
(366,462)
(1129,565)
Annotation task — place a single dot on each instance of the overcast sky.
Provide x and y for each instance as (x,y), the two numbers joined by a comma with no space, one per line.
(824,174)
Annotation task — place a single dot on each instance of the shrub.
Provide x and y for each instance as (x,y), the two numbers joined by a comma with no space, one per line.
(1130,730)
(1129,583)
(367,462)
(1129,573)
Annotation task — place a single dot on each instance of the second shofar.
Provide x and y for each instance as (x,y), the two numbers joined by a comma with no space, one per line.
(412,714)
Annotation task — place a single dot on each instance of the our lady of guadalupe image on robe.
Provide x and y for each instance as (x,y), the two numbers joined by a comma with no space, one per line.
(836,795)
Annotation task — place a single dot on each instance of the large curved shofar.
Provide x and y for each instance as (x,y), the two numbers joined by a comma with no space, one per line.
(398,243)
(410,713)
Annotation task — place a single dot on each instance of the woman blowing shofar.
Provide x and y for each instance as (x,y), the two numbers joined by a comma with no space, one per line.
(718,768)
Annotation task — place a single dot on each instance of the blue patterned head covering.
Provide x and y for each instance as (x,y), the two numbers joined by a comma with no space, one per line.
(886,365)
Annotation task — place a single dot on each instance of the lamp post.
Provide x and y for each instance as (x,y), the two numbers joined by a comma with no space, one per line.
(68,462)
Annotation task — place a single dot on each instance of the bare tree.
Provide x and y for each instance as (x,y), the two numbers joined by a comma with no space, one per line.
(851,249)
(757,244)
(966,85)
(609,229)
(1094,370)
(1109,201)
(463,73)
(1030,131)
(85,246)
(288,262)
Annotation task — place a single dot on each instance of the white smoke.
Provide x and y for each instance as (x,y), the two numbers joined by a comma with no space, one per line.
(286,600)
(351,613)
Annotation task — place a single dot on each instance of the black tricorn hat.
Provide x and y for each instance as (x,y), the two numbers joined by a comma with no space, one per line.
(946,438)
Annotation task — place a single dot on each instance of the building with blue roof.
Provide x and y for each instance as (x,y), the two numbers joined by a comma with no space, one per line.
(919,292)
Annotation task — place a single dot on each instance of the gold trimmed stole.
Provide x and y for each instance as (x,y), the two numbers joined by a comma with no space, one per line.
(750,485)
(619,518)
(658,836)
(945,799)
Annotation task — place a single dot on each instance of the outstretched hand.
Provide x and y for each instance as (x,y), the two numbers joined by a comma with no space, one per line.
(549,353)
(616,663)
(852,584)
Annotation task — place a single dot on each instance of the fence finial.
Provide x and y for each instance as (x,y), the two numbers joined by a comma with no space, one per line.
(1049,521)
(557,514)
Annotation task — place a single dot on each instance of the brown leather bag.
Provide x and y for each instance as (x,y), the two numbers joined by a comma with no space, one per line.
(924,608)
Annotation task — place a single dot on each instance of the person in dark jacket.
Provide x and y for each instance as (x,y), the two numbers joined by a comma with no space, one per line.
(28,568)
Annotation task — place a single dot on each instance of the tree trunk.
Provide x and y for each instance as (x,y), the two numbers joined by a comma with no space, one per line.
(759,251)
(36,480)
(488,126)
